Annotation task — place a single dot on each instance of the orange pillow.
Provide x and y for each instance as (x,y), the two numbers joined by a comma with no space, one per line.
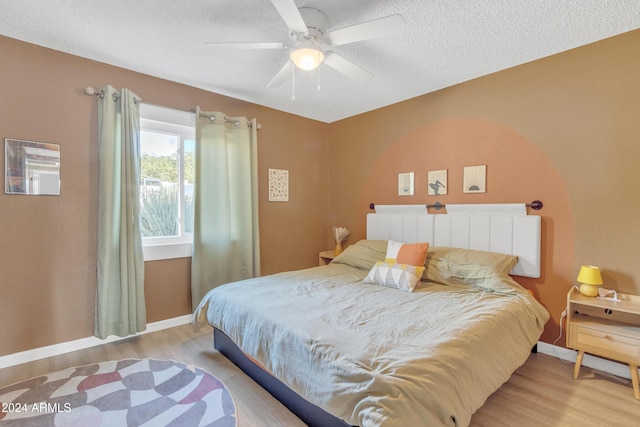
(407,253)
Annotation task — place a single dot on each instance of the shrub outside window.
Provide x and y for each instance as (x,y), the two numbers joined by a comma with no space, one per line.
(167,145)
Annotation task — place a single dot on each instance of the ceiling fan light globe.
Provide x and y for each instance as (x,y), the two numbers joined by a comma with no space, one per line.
(307,58)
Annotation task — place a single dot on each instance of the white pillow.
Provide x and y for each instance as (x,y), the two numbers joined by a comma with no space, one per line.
(400,276)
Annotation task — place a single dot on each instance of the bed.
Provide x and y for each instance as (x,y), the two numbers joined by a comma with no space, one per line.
(340,351)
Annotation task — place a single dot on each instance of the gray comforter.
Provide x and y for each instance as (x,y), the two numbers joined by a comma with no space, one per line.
(376,356)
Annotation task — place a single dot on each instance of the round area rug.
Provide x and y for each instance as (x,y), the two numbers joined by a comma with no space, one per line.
(130,392)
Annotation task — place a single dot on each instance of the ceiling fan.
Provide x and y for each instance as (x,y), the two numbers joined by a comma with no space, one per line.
(311,42)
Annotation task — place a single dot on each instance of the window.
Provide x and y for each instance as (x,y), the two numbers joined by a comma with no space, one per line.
(167,149)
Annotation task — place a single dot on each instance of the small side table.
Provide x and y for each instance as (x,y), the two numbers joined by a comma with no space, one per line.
(605,328)
(325,257)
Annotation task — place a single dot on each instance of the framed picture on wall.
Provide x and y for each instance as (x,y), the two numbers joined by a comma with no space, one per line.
(437,182)
(31,167)
(475,179)
(405,184)
(278,185)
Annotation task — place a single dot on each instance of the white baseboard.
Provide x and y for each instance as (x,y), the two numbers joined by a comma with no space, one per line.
(84,343)
(604,365)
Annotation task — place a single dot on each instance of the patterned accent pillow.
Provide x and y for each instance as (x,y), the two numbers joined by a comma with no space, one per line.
(400,276)
(407,253)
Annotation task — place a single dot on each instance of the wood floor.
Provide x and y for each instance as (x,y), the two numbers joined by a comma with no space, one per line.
(540,393)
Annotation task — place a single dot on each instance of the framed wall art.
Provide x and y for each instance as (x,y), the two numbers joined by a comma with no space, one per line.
(405,184)
(475,179)
(31,167)
(437,182)
(278,185)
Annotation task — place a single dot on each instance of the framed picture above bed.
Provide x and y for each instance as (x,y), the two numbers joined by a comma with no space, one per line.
(437,182)
(405,184)
(475,179)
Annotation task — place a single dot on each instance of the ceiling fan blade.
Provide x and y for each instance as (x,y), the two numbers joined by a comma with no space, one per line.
(247,45)
(281,76)
(291,15)
(367,30)
(347,67)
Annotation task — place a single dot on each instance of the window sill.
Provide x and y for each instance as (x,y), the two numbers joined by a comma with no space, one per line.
(166,251)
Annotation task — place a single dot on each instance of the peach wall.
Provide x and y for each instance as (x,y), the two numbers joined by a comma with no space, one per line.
(47,244)
(563,129)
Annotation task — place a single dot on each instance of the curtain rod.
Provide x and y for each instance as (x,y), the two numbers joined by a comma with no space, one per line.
(91,91)
(536,205)
(228,120)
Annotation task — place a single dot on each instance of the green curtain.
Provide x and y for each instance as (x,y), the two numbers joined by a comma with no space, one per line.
(226,242)
(120,306)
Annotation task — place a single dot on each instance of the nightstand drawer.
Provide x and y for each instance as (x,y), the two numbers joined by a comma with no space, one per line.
(605,344)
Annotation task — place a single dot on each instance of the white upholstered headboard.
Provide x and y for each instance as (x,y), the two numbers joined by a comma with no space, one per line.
(496,228)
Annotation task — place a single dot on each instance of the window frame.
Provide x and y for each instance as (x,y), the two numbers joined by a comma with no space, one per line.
(180,124)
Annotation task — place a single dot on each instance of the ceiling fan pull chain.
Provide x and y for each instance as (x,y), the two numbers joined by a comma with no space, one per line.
(318,77)
(293,82)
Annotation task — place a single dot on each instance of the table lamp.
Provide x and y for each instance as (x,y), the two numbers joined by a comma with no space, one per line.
(590,279)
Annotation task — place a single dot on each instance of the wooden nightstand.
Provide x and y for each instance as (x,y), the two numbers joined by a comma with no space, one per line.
(605,328)
(325,257)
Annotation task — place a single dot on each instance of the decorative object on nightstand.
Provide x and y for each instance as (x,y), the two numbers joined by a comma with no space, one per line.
(590,278)
(607,328)
(340,234)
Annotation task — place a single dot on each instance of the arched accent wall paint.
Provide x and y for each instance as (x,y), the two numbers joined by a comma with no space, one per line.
(517,171)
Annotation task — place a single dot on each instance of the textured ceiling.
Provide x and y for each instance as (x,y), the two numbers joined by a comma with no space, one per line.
(445,42)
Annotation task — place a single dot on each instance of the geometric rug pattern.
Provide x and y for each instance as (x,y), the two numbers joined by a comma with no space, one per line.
(130,392)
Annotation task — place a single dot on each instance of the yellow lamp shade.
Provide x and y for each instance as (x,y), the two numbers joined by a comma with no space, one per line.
(590,278)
